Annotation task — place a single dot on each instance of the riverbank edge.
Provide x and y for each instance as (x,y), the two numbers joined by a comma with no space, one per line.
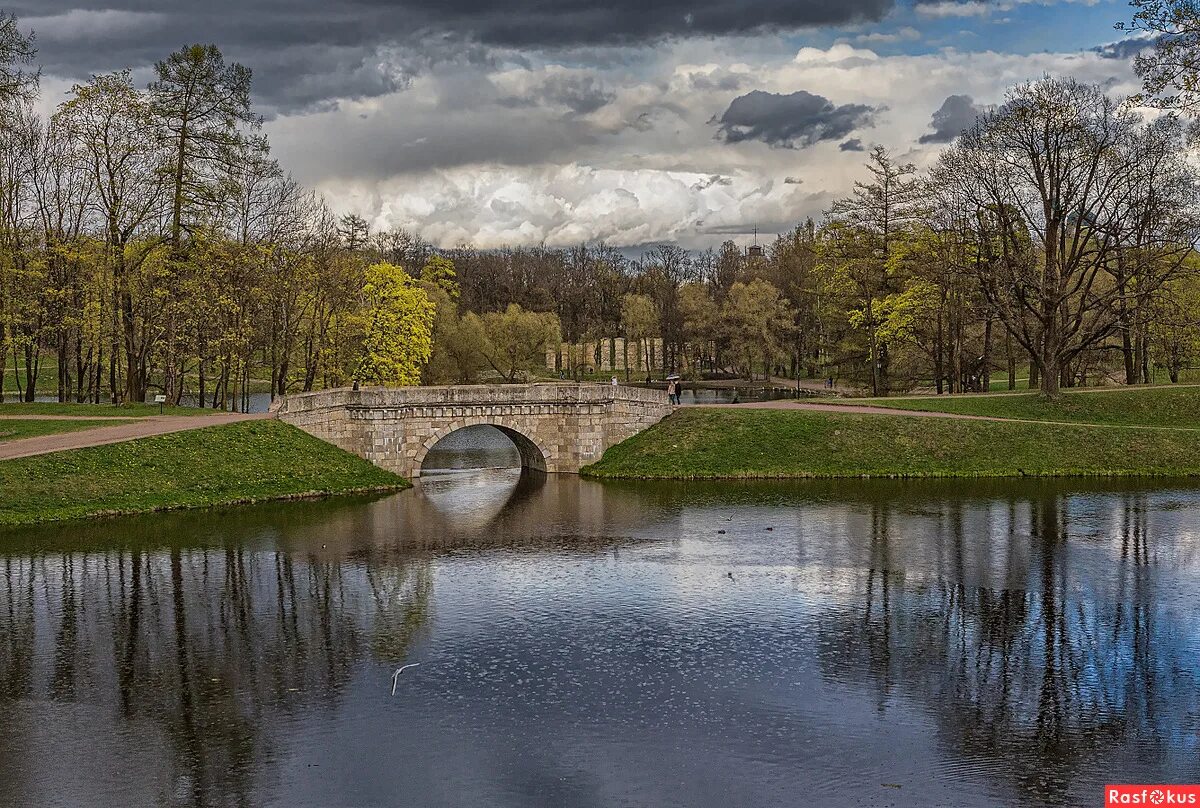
(238,469)
(308,496)
(1065,474)
(732,444)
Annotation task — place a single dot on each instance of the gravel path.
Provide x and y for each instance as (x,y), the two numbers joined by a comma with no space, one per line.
(130,429)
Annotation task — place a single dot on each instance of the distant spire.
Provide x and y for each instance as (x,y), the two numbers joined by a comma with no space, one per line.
(755,251)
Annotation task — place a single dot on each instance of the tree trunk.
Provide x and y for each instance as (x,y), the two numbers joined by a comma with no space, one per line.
(99,373)
(64,369)
(1012,361)
(939,369)
(1126,326)
(135,389)
(1127,355)
(985,373)
(873,358)
(3,364)
(954,369)
(82,369)
(1050,371)
(1144,341)
(884,368)
(1050,364)
(31,373)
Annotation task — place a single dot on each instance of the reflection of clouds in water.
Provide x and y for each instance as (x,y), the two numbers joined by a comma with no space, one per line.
(982,643)
(473,498)
(474,447)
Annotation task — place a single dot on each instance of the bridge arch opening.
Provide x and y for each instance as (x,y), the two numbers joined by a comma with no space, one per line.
(479,446)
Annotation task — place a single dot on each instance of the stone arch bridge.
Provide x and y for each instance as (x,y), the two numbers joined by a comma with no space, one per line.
(557,427)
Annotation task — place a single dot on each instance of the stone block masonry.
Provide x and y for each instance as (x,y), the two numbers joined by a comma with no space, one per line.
(556,427)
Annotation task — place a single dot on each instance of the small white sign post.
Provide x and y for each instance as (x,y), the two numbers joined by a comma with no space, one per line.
(160,400)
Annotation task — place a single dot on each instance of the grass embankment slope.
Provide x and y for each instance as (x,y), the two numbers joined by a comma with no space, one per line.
(1177,407)
(230,464)
(1129,440)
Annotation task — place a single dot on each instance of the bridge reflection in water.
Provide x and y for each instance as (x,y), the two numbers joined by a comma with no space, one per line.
(990,643)
(471,475)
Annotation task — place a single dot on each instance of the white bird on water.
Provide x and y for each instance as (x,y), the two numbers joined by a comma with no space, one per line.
(400,670)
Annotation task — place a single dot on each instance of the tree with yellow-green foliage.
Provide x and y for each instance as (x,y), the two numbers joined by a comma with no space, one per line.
(1175,325)
(759,321)
(397,328)
(515,341)
(640,322)
(438,272)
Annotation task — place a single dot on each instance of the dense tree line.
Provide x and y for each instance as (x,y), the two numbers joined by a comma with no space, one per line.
(1053,240)
(149,242)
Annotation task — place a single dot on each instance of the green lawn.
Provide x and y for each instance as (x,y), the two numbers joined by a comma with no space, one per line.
(47,376)
(234,463)
(97,410)
(15,430)
(725,443)
(999,384)
(1123,406)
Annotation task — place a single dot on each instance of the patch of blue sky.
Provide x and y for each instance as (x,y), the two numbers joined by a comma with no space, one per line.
(1005,26)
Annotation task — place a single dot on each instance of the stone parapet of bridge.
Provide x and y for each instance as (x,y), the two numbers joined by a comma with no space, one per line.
(557,427)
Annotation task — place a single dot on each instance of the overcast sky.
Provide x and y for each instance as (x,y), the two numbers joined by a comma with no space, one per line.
(634,122)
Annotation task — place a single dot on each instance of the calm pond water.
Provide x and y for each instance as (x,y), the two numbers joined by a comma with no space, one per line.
(629,644)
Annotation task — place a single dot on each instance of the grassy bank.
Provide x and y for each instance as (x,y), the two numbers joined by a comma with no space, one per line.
(1124,406)
(17,429)
(235,463)
(97,410)
(712,443)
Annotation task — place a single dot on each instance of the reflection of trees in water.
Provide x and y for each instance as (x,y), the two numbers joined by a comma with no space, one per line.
(214,646)
(1051,671)
(400,596)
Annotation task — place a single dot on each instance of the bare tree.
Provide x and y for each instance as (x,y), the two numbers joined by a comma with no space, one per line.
(109,123)
(1049,171)
(1170,71)
(17,83)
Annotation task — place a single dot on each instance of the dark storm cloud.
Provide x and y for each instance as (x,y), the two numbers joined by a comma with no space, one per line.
(791,121)
(308,51)
(1125,48)
(851,145)
(957,113)
(578,93)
